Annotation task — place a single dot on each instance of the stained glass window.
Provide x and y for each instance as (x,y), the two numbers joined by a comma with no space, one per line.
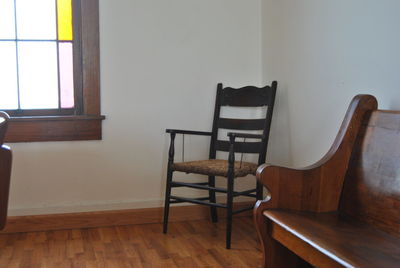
(37,54)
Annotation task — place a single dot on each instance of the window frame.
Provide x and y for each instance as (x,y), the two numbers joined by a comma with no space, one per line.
(85,122)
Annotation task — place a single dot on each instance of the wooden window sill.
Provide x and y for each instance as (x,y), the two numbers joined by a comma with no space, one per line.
(54,128)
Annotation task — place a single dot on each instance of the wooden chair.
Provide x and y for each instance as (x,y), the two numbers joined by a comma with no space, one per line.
(5,170)
(249,97)
(343,211)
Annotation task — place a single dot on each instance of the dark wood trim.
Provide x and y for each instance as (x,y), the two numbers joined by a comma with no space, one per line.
(32,223)
(40,112)
(90,57)
(54,128)
(77,46)
(57,118)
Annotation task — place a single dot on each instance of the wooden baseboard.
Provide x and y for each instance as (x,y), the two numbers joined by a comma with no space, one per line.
(49,222)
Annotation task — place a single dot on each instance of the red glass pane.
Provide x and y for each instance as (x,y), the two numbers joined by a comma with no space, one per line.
(66,75)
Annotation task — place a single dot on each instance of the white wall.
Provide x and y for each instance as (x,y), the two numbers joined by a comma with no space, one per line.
(160,63)
(323,53)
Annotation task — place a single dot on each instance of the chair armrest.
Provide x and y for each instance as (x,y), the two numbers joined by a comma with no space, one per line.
(245,135)
(290,188)
(173,133)
(189,132)
(318,187)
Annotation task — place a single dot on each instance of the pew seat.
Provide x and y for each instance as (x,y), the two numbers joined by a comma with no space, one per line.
(348,242)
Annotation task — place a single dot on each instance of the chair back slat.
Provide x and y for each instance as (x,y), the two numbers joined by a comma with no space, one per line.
(371,191)
(240,147)
(245,97)
(241,124)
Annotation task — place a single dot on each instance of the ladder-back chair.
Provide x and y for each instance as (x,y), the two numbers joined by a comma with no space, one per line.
(250,97)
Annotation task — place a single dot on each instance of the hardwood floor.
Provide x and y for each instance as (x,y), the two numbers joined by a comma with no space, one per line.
(187,244)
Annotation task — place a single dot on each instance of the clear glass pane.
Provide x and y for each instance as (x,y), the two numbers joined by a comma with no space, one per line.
(36,19)
(64,11)
(7,19)
(38,75)
(66,75)
(8,76)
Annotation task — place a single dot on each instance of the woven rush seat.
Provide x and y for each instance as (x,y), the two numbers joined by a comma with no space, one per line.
(215,167)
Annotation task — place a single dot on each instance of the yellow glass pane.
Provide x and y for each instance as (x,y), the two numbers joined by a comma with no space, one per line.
(64,11)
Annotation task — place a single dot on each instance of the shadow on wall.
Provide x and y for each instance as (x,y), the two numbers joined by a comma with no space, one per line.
(279,146)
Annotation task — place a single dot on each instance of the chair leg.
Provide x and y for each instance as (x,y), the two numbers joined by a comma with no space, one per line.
(211,193)
(229,212)
(259,191)
(167,200)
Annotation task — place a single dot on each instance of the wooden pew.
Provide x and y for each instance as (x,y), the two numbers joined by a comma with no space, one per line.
(5,170)
(344,210)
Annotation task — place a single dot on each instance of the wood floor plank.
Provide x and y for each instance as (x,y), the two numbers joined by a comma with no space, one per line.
(197,244)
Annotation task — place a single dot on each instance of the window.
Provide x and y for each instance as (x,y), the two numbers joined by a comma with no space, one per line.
(49,72)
